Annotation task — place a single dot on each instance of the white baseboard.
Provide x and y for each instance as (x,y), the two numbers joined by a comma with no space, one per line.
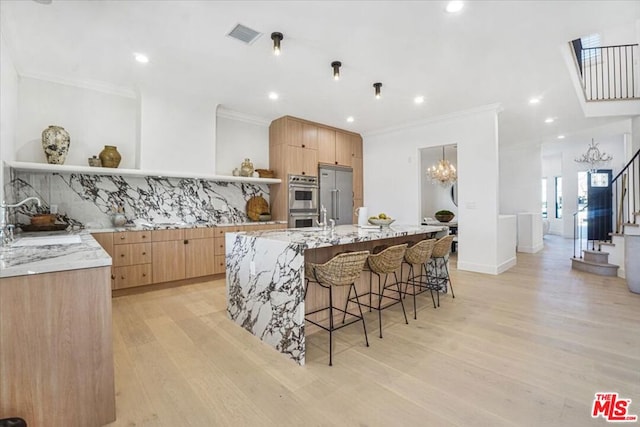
(530,249)
(486,268)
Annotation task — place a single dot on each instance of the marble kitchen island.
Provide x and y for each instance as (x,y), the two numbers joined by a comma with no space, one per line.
(265,275)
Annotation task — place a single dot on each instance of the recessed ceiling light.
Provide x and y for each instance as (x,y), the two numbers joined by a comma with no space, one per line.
(418,99)
(455,6)
(549,120)
(560,136)
(141,58)
(350,119)
(534,101)
(273,95)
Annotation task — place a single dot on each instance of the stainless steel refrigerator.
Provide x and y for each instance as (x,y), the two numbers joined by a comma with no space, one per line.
(336,193)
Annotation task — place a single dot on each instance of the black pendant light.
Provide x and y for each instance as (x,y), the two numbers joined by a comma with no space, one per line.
(377,86)
(336,69)
(277,38)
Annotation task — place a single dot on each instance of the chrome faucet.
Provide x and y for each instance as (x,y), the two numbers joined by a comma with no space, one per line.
(332,224)
(6,229)
(323,213)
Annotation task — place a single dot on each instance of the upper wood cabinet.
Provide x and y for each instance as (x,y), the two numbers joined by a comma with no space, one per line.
(338,148)
(309,137)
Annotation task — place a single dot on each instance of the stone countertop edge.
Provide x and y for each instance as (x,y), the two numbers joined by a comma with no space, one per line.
(28,260)
(343,234)
(153,227)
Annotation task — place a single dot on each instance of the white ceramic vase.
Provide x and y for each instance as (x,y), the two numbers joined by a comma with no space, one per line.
(55,142)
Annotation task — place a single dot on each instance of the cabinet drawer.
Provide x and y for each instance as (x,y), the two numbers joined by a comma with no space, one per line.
(220,266)
(138,253)
(198,233)
(132,275)
(167,235)
(123,237)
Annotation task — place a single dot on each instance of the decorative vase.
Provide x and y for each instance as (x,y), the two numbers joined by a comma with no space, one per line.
(55,141)
(109,156)
(246,168)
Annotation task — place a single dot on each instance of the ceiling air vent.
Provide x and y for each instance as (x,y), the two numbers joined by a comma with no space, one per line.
(244,34)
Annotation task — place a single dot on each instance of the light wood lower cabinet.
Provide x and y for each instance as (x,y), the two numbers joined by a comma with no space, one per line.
(144,258)
(56,348)
(132,275)
(168,261)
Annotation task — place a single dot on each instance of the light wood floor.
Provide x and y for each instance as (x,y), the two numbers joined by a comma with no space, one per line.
(529,347)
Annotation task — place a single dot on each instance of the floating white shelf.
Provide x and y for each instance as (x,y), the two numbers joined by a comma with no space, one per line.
(45,167)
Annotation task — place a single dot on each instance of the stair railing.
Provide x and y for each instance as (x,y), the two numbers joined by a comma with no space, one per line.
(608,73)
(577,232)
(626,193)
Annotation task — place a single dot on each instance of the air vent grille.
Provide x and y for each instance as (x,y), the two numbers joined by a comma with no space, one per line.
(244,34)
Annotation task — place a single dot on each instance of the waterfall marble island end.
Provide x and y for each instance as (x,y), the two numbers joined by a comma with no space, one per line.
(265,275)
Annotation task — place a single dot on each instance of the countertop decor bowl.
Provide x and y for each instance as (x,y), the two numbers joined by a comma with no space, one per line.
(444,217)
(43,219)
(383,222)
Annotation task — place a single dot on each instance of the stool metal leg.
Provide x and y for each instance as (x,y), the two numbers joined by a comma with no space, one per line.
(399,297)
(330,325)
(364,326)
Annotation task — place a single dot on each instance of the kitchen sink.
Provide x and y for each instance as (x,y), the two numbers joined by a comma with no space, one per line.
(48,240)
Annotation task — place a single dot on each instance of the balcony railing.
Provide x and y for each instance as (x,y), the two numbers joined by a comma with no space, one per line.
(608,73)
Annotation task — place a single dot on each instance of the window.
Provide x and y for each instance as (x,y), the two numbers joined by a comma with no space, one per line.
(558,197)
(544,198)
(592,40)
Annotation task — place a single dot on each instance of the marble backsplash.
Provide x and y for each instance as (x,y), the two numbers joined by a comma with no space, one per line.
(90,200)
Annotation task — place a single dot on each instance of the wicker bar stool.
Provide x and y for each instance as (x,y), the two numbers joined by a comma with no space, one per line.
(417,256)
(341,270)
(384,263)
(439,272)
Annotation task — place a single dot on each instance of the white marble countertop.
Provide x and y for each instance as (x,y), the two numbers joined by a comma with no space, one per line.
(310,238)
(146,226)
(48,258)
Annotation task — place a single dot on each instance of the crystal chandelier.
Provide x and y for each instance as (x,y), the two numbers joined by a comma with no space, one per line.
(593,157)
(444,173)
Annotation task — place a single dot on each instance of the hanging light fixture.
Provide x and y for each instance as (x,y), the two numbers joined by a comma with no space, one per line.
(277,38)
(443,173)
(593,157)
(377,86)
(336,69)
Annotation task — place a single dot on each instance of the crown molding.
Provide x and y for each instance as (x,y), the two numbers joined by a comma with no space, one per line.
(241,117)
(497,108)
(83,84)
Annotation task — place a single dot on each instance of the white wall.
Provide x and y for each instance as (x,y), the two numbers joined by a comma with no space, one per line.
(434,197)
(392,177)
(239,136)
(92,118)
(177,134)
(8,109)
(520,173)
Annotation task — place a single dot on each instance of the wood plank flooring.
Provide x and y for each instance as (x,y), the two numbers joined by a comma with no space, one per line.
(529,347)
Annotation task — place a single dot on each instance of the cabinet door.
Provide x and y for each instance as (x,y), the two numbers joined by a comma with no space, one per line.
(168,261)
(356,146)
(344,149)
(326,146)
(105,240)
(199,257)
(293,132)
(309,136)
(303,161)
(358,189)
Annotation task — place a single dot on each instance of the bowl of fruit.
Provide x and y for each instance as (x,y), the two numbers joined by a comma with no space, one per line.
(382,220)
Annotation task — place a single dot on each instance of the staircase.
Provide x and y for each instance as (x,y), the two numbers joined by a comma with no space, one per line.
(608,258)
